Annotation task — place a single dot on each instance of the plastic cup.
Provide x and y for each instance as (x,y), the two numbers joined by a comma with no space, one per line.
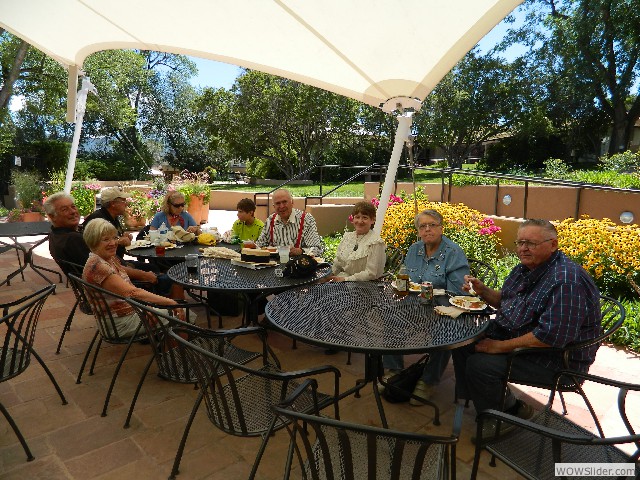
(154,236)
(283,253)
(191,261)
(160,250)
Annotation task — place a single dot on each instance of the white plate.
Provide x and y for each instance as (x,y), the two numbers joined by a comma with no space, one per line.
(464,302)
(139,244)
(414,287)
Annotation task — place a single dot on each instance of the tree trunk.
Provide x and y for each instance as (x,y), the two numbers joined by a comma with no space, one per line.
(620,132)
(14,73)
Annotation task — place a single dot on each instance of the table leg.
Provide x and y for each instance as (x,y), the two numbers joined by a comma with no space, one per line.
(29,261)
(21,266)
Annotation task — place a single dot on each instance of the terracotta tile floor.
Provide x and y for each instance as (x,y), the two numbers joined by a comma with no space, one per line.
(74,442)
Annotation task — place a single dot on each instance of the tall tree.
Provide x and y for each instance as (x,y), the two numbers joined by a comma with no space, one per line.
(282,122)
(472,103)
(593,46)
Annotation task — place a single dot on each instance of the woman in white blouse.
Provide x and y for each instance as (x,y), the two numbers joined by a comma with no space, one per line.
(361,253)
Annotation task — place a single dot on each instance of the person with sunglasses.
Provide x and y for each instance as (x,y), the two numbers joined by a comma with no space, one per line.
(173,213)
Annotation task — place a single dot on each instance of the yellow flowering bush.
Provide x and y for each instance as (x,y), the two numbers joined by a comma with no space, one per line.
(609,252)
(467,227)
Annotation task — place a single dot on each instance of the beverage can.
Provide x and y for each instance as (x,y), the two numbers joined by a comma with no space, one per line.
(426,292)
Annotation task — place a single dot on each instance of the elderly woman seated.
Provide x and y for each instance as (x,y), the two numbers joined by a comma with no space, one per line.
(103,268)
(361,253)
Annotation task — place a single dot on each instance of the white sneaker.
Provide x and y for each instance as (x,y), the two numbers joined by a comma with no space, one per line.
(390,373)
(422,390)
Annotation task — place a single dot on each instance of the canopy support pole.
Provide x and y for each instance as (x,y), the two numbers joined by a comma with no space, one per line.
(405,107)
(81,106)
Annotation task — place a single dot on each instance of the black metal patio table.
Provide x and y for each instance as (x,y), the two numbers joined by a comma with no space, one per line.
(13,230)
(370,318)
(219,274)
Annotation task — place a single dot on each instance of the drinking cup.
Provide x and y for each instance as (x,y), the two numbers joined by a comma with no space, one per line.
(191,261)
(283,252)
(159,250)
(154,236)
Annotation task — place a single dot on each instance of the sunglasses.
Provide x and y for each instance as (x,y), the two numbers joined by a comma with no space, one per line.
(178,205)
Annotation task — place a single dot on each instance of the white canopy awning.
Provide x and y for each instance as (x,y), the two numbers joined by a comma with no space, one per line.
(369,50)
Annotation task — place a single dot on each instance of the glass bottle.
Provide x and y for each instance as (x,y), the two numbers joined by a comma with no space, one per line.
(402,281)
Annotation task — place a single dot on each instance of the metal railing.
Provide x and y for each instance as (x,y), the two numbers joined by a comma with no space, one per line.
(446,181)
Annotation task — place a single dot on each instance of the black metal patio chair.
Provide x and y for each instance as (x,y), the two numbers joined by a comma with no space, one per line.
(239,398)
(613,315)
(81,301)
(331,449)
(533,447)
(483,272)
(17,332)
(107,331)
(172,365)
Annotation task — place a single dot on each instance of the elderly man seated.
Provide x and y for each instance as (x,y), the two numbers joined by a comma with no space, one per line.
(290,227)
(66,242)
(546,301)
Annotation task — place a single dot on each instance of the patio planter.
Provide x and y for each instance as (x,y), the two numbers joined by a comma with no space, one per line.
(32,217)
(195,208)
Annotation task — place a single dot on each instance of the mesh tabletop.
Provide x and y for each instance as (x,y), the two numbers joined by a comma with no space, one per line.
(221,274)
(369,317)
(176,255)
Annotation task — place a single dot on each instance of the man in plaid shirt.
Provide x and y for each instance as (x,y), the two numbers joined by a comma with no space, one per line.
(546,301)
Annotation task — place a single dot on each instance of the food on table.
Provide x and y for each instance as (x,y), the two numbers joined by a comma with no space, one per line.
(468,303)
(220,252)
(206,239)
(182,235)
(414,287)
(255,255)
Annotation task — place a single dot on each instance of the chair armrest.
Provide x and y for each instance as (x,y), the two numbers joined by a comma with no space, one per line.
(308,384)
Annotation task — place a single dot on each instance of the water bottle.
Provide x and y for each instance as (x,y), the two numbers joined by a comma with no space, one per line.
(163,231)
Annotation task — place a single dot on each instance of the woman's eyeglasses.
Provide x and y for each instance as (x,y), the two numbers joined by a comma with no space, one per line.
(426,226)
(178,205)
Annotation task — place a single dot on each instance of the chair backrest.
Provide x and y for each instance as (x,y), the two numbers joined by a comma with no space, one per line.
(99,299)
(75,269)
(17,331)
(328,448)
(172,362)
(483,272)
(237,404)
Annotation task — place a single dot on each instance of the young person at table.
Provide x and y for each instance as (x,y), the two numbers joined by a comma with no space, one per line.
(290,227)
(436,259)
(361,253)
(173,213)
(247,226)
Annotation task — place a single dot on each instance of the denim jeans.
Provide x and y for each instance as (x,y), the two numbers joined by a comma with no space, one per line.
(479,376)
(433,370)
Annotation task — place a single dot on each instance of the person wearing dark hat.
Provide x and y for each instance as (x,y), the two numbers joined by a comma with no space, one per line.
(114,203)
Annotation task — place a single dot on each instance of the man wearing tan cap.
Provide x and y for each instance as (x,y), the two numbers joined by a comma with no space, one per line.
(114,202)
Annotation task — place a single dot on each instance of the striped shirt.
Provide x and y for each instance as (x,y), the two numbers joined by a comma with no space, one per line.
(558,302)
(286,234)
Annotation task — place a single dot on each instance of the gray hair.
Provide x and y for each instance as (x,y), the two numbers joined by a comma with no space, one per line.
(429,212)
(95,230)
(50,208)
(545,225)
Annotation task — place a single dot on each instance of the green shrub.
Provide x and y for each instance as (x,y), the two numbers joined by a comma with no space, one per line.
(331,246)
(625,162)
(629,333)
(556,168)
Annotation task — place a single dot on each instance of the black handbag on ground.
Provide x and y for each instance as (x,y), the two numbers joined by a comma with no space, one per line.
(400,386)
(301,266)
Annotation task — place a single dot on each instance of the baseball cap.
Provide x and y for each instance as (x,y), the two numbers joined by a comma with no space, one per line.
(111,193)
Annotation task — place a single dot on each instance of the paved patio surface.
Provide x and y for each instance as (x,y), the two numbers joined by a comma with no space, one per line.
(74,442)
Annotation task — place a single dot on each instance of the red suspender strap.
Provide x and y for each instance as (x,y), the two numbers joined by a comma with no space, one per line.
(271,223)
(273,219)
(300,230)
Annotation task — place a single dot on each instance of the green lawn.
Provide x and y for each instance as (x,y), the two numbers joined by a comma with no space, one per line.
(349,190)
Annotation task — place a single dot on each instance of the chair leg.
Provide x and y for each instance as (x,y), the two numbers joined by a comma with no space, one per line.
(564,405)
(86,357)
(138,388)
(115,376)
(50,375)
(16,430)
(67,325)
(348,358)
(187,428)
(95,356)
(263,447)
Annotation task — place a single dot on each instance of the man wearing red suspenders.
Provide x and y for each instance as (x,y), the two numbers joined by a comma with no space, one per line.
(290,227)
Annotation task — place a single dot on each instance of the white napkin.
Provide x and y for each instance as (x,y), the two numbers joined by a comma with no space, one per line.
(453,312)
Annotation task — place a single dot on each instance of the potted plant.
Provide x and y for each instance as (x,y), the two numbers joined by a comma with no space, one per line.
(139,209)
(196,191)
(83,192)
(28,195)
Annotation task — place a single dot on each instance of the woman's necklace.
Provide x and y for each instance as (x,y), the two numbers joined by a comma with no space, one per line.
(358,238)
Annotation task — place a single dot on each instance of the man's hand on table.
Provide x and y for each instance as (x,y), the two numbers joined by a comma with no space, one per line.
(293,251)
(125,240)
